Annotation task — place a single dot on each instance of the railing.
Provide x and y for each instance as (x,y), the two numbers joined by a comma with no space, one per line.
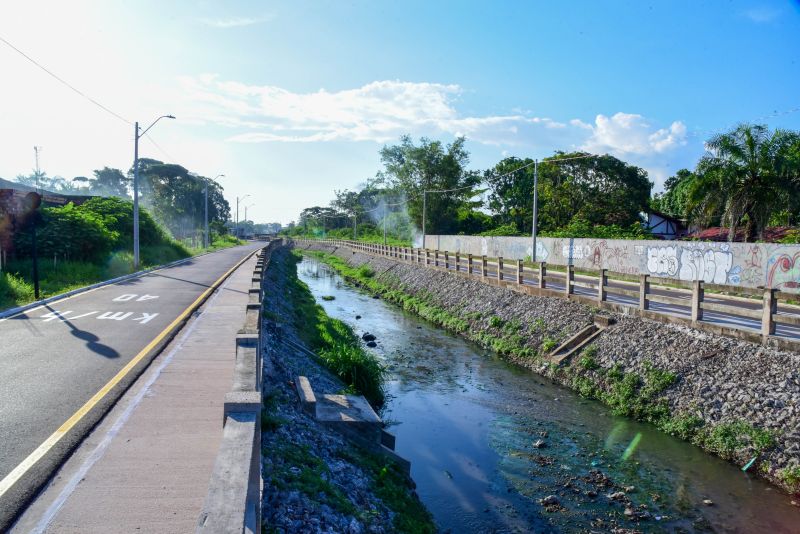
(758,315)
(233,502)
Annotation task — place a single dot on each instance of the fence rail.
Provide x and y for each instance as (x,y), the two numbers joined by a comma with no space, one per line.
(765,316)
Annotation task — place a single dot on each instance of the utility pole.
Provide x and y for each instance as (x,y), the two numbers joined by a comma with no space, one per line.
(136,136)
(237,212)
(205,194)
(384,222)
(535,208)
(424,209)
(355,226)
(36,150)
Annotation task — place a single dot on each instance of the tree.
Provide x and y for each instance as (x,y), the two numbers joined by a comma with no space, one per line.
(746,175)
(675,200)
(600,190)
(110,182)
(431,166)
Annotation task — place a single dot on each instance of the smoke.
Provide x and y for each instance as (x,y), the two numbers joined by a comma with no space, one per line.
(394,216)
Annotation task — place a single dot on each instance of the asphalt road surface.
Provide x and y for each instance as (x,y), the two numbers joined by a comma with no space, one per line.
(53,359)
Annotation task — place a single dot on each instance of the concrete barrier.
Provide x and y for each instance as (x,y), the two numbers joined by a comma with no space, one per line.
(233,502)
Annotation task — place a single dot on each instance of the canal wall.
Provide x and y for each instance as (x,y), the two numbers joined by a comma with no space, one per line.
(751,265)
(733,398)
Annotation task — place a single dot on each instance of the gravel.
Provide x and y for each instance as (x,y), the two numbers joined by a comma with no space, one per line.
(720,379)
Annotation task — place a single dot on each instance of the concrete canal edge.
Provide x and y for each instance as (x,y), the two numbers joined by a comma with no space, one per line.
(733,398)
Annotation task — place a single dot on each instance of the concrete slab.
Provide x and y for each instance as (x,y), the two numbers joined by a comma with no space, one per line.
(345,408)
(146,467)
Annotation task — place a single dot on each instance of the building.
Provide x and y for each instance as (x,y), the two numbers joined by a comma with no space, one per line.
(662,226)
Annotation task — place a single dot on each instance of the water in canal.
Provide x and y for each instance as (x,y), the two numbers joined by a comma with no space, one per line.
(469,423)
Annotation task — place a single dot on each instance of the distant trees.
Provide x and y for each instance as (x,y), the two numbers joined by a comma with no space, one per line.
(598,190)
(749,177)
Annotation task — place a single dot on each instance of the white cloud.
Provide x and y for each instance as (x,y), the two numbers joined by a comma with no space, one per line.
(628,133)
(762,14)
(234,22)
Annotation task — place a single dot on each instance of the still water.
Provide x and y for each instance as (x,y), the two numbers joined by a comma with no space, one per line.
(487,441)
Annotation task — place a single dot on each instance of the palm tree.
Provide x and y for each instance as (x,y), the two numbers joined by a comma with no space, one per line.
(746,175)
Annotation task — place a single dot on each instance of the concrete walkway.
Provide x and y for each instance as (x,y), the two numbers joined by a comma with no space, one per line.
(146,467)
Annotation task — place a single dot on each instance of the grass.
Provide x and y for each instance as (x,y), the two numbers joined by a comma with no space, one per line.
(394,489)
(791,477)
(298,468)
(334,341)
(58,276)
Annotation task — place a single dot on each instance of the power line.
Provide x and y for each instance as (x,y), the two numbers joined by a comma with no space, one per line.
(64,82)
(159,147)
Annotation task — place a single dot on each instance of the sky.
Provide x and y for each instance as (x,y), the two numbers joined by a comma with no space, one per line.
(293,100)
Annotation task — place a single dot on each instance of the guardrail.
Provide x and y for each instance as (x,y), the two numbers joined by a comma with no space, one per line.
(758,315)
(233,502)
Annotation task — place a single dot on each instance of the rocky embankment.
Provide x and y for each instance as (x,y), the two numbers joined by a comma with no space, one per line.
(315,480)
(736,399)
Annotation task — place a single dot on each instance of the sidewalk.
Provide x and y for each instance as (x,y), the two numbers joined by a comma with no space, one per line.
(146,467)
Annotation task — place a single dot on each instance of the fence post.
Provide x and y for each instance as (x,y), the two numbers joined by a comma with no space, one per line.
(542,274)
(469,264)
(435,257)
(446,260)
(644,289)
(568,287)
(484,266)
(697,298)
(427,257)
(601,286)
(458,261)
(519,272)
(770,309)
(499,268)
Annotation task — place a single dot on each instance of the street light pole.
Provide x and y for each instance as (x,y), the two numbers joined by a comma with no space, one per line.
(384,222)
(205,193)
(136,136)
(424,209)
(535,208)
(237,212)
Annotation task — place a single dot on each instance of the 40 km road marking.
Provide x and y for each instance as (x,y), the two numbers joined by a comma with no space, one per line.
(23,467)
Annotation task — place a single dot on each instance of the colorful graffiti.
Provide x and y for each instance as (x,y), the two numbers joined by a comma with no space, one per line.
(783,271)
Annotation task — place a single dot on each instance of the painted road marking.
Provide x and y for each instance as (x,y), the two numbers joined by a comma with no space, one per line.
(130,296)
(25,465)
(116,316)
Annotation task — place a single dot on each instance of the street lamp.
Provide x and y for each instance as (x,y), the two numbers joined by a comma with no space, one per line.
(205,194)
(245,212)
(237,212)
(136,136)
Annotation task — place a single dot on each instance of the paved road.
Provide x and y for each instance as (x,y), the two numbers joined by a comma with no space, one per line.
(55,358)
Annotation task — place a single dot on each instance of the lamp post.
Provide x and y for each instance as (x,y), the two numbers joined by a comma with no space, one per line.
(245,212)
(205,217)
(237,212)
(136,136)
(535,208)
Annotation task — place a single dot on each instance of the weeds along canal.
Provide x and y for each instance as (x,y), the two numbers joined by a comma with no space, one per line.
(495,448)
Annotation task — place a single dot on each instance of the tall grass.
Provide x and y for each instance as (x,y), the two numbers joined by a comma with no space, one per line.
(333,340)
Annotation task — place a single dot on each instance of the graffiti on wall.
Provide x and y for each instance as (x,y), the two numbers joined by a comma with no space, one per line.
(712,264)
(783,271)
(541,251)
(662,261)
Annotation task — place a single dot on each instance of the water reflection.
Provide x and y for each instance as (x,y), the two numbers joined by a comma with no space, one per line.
(470,424)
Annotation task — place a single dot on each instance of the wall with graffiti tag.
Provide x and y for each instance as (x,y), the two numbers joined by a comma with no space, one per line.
(740,264)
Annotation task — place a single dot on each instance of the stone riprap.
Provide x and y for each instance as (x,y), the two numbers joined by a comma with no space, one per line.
(728,386)
(750,265)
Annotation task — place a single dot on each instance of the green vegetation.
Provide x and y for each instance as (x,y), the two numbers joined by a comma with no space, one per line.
(791,477)
(86,244)
(298,468)
(328,297)
(548,344)
(394,489)
(335,343)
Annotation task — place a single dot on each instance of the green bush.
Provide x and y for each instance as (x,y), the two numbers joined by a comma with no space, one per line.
(503,230)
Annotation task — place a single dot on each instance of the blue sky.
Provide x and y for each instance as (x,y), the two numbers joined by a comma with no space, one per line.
(293,100)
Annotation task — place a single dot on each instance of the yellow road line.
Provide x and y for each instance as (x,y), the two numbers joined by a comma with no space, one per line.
(23,467)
